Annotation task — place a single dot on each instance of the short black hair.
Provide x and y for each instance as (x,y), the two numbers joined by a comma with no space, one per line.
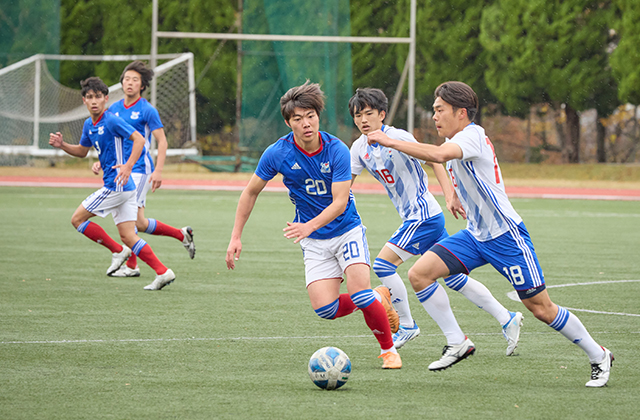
(459,95)
(95,84)
(146,74)
(306,96)
(368,97)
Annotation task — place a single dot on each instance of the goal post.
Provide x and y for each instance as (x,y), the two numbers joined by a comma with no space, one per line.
(33,103)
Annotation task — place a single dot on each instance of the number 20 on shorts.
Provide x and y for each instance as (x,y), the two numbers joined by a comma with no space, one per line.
(350,250)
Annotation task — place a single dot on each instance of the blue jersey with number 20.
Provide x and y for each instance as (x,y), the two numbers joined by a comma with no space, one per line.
(308,177)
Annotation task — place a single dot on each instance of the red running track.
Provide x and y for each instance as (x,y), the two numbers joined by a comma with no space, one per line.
(362,188)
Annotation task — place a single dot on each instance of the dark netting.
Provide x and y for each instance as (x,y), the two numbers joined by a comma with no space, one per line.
(269,69)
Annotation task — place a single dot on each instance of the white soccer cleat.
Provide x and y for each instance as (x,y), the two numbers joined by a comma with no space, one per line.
(161,280)
(600,371)
(453,354)
(125,271)
(118,259)
(405,334)
(511,331)
(187,242)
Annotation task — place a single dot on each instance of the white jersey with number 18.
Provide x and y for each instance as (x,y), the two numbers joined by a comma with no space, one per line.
(478,182)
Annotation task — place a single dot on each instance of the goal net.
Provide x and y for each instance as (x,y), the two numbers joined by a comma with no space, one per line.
(33,104)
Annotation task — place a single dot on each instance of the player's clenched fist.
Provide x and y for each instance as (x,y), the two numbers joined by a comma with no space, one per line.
(55,139)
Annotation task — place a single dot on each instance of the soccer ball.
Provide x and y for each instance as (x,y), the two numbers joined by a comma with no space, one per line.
(329,368)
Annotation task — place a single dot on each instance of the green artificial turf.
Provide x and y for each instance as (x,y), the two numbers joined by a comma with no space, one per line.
(76,344)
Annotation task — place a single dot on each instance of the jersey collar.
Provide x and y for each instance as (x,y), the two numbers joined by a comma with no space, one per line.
(127,107)
(307,153)
(99,118)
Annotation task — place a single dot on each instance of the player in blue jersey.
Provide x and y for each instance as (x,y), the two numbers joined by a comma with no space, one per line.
(422,226)
(316,171)
(108,134)
(142,116)
(495,233)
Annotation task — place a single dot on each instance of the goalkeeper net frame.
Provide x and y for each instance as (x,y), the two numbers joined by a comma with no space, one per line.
(33,104)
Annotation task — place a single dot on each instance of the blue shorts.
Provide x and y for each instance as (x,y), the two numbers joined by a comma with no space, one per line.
(418,236)
(511,253)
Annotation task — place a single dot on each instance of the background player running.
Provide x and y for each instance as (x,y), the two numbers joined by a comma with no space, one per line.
(142,116)
(108,133)
(495,232)
(422,226)
(316,171)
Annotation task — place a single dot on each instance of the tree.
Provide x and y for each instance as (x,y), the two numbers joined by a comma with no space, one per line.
(448,47)
(379,65)
(123,27)
(28,27)
(625,59)
(550,51)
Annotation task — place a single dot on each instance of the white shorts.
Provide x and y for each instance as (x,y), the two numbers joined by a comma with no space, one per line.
(143,185)
(328,258)
(121,205)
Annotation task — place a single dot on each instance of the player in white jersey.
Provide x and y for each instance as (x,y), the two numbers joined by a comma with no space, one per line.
(316,171)
(495,233)
(142,116)
(108,134)
(422,226)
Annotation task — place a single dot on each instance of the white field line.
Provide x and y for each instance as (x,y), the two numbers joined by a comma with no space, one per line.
(333,337)
(513,295)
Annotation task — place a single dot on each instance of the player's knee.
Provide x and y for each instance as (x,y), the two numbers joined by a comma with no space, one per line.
(142,223)
(544,313)
(456,282)
(76,221)
(417,278)
(128,241)
(328,311)
(363,298)
(383,268)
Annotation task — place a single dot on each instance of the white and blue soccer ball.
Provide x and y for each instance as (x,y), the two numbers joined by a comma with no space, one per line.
(329,368)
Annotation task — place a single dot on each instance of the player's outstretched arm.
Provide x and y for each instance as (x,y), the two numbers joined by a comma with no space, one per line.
(245,206)
(426,152)
(162,145)
(77,150)
(299,231)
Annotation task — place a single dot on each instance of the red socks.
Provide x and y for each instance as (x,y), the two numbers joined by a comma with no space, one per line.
(345,306)
(95,232)
(132,262)
(158,228)
(376,318)
(146,254)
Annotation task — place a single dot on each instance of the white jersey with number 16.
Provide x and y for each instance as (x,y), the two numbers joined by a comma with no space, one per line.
(402,176)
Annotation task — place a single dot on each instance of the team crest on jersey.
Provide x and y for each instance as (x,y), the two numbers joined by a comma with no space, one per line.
(135,115)
(324,167)
(100,130)
(366,156)
(390,154)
